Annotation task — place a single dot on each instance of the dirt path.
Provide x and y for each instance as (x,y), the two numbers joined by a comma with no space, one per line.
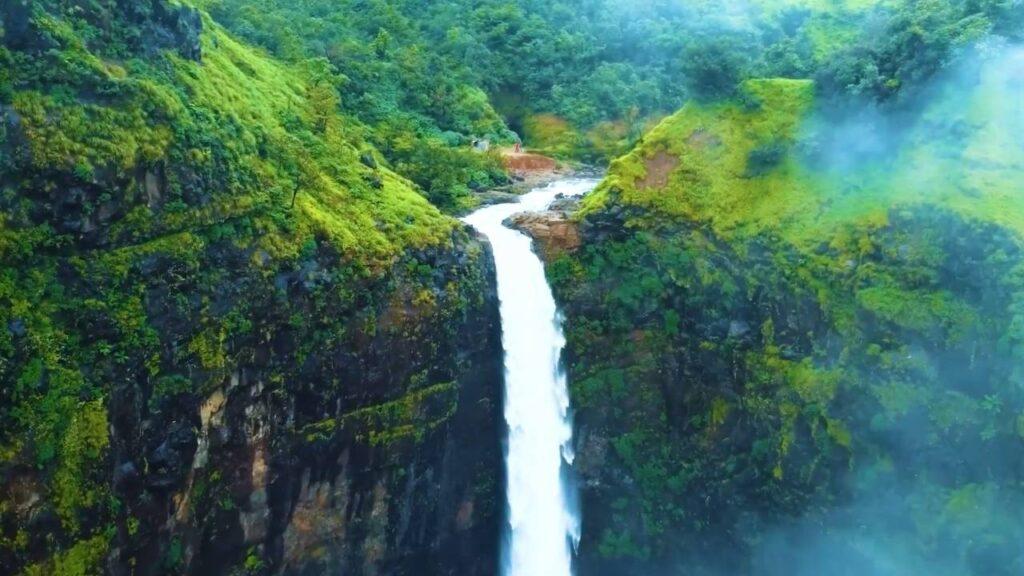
(527,162)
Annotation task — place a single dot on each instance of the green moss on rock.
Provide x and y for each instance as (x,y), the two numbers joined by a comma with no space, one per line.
(191,246)
(763,341)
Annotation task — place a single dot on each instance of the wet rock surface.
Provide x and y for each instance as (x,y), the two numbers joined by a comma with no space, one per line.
(388,473)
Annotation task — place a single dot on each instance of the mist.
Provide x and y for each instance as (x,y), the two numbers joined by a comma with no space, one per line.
(952,510)
(980,97)
(917,159)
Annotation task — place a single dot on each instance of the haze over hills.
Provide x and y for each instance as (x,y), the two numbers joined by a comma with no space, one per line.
(242,330)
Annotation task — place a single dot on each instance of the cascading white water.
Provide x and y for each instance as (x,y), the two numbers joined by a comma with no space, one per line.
(543,518)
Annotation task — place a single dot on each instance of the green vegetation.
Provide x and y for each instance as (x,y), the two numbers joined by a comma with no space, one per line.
(420,73)
(706,153)
(800,301)
(412,416)
(800,348)
(177,209)
(406,98)
(81,560)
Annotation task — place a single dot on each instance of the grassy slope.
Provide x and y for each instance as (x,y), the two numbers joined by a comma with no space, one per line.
(261,111)
(768,329)
(228,142)
(710,182)
(335,199)
(974,176)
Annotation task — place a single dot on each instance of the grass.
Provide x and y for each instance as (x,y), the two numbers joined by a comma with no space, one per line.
(960,154)
(551,135)
(713,145)
(334,200)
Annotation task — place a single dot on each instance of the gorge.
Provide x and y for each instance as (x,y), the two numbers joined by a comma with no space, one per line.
(320,287)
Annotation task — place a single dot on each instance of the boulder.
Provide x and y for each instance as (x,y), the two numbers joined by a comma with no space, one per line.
(553,230)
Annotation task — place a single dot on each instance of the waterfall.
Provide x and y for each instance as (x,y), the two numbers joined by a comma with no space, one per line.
(544,522)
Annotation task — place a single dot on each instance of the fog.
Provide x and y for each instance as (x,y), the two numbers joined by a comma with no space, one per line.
(955,509)
(981,96)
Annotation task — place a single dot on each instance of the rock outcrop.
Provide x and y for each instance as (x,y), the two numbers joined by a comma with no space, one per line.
(380,456)
(526,163)
(554,231)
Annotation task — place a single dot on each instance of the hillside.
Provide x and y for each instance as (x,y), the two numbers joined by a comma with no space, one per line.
(242,331)
(234,341)
(794,336)
(585,79)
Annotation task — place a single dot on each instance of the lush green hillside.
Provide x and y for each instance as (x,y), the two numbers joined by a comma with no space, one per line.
(412,102)
(216,303)
(585,79)
(257,138)
(763,162)
(794,336)
(241,334)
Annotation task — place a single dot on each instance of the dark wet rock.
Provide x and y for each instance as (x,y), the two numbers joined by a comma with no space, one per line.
(16,16)
(126,475)
(17,327)
(176,27)
(368,160)
(563,203)
(169,462)
(738,329)
(375,181)
(496,197)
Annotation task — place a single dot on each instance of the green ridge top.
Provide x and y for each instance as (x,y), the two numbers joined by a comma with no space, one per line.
(741,167)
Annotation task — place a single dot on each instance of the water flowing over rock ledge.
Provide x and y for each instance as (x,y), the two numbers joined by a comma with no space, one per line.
(543,527)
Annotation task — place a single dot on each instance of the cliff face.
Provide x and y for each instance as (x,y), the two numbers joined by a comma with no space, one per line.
(368,452)
(785,366)
(229,345)
(365,443)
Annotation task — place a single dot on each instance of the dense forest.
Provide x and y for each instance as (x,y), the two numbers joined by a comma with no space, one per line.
(583,80)
(242,330)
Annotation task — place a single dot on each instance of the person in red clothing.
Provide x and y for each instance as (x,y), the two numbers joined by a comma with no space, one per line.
(518,148)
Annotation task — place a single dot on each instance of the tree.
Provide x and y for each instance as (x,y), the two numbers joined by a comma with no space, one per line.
(322,93)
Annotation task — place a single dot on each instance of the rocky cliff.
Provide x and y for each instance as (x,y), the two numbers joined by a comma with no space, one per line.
(794,353)
(230,341)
